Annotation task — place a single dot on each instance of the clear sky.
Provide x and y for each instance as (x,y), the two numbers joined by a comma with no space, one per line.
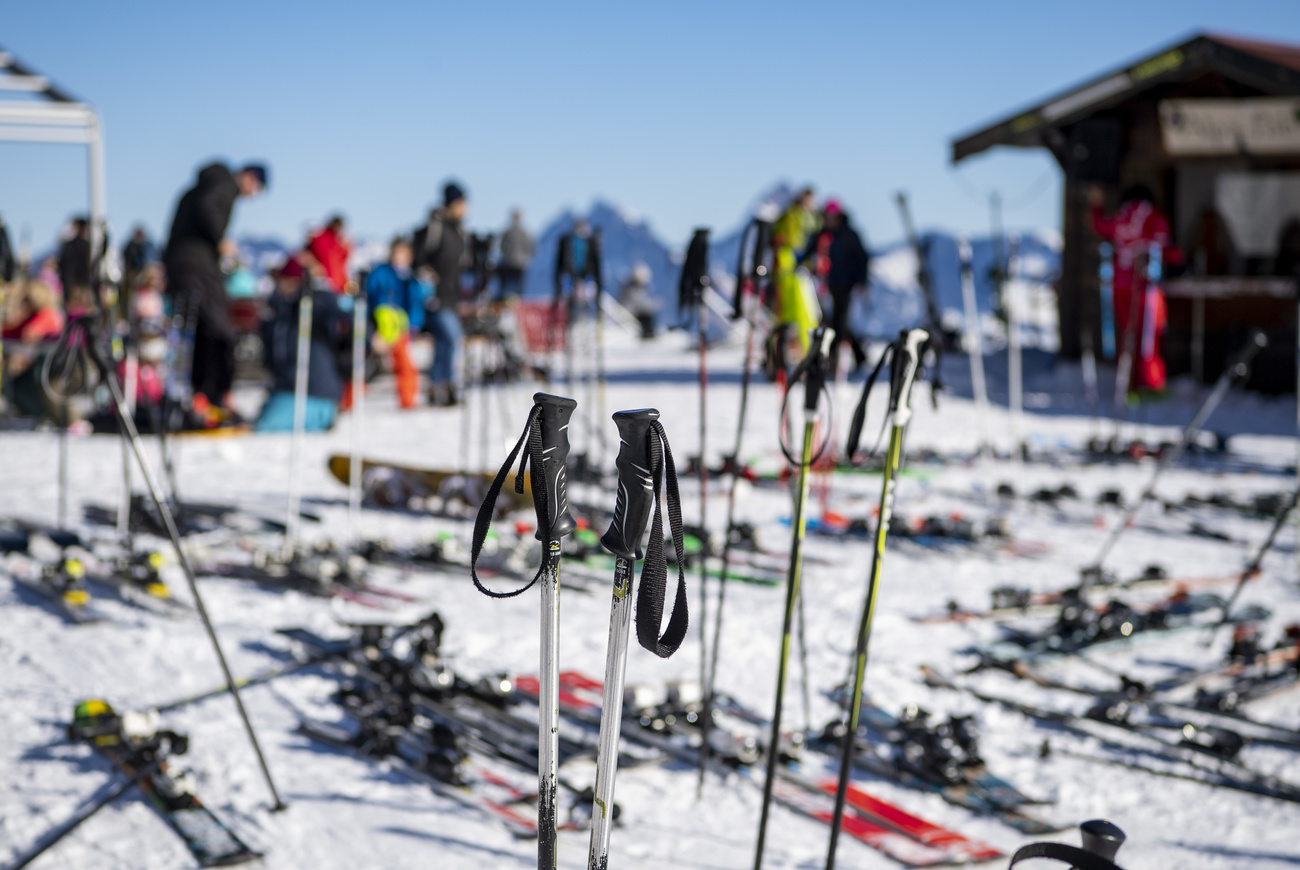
(681,111)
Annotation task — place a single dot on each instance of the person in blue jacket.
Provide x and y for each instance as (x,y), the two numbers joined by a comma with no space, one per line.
(397,298)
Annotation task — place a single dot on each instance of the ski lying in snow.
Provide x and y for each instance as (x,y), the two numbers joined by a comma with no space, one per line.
(885,827)
(477,788)
(63,583)
(1210,745)
(133,742)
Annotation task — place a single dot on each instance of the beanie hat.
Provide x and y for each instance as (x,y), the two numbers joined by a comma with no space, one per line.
(452,193)
(259,172)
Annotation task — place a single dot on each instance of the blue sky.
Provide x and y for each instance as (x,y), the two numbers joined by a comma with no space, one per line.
(682,112)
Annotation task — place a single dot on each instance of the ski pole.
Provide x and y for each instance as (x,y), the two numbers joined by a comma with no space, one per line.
(975,347)
(925,279)
(812,370)
(906,361)
(303,366)
(1238,369)
(747,278)
(644,462)
(359,324)
(77,330)
(1256,563)
(547,437)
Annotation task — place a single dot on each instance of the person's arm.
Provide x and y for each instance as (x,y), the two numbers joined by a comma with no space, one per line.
(1158,227)
(212,210)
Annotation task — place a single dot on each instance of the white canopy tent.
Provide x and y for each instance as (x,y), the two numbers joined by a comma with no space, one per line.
(51,115)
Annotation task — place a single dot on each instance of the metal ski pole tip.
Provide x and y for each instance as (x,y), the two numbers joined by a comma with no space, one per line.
(1101,837)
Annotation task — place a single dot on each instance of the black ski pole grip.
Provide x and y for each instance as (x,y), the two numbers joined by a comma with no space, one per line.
(554,424)
(636,491)
(1101,837)
(814,378)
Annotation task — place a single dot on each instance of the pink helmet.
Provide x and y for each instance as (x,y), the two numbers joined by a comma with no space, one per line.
(832,206)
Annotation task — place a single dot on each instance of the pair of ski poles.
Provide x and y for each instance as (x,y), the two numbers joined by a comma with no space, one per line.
(905,355)
(644,462)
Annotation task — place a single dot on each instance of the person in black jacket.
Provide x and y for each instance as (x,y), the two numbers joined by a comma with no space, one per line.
(441,255)
(7,262)
(74,262)
(842,260)
(194,280)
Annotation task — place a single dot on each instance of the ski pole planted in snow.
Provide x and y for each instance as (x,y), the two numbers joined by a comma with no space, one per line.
(1255,564)
(975,347)
(644,463)
(359,323)
(812,371)
(748,275)
(692,286)
(303,366)
(906,360)
(77,337)
(545,446)
(1238,369)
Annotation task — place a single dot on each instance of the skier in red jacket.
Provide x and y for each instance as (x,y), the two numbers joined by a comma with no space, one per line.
(331,249)
(1132,230)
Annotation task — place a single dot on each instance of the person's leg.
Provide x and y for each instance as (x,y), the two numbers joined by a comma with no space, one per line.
(408,376)
(445,326)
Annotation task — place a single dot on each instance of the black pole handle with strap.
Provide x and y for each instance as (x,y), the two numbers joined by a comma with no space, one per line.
(813,371)
(645,465)
(546,458)
(904,358)
(695,271)
(1101,840)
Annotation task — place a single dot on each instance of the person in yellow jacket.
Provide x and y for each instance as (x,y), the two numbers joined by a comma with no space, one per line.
(797,308)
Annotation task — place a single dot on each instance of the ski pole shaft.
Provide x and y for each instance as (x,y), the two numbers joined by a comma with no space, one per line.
(1255,563)
(623,539)
(791,597)
(553,423)
(814,381)
(63,476)
(703,336)
(359,322)
(169,523)
(1238,368)
(303,366)
(975,349)
(907,357)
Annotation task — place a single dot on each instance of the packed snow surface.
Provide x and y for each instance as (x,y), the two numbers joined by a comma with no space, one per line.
(351,813)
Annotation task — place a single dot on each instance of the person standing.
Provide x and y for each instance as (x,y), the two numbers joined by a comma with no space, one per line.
(796,304)
(137,254)
(8,263)
(74,261)
(841,261)
(194,279)
(440,256)
(331,248)
(397,300)
(517,248)
(1132,230)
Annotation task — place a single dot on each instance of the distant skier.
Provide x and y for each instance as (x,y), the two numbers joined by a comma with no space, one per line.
(137,254)
(8,263)
(194,280)
(796,302)
(635,296)
(517,248)
(331,248)
(838,257)
(441,255)
(329,335)
(74,263)
(396,298)
(1132,230)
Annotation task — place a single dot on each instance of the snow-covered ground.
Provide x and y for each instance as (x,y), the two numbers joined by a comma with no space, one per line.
(351,813)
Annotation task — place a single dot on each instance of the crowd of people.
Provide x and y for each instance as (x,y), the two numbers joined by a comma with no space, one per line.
(191,303)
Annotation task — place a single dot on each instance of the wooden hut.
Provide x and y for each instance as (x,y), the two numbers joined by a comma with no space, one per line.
(1212,126)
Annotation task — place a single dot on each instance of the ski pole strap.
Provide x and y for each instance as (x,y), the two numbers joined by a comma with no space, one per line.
(812,371)
(545,460)
(654,571)
(1072,855)
(860,412)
